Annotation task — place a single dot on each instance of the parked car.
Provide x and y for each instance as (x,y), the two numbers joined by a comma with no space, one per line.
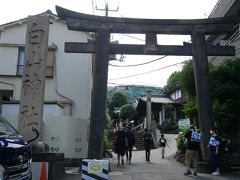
(15,153)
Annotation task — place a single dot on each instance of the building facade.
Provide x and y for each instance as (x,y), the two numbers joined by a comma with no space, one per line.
(68,85)
(225,8)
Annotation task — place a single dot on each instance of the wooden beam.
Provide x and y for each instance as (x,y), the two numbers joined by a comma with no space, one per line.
(174,50)
(123,27)
(83,22)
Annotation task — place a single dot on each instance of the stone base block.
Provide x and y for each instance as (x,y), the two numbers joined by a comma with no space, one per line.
(56,163)
(205,167)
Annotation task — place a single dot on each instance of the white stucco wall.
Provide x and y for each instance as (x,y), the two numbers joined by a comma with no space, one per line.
(72,72)
(63,134)
(12,110)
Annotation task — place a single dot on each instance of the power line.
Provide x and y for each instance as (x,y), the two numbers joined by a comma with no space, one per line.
(124,77)
(133,37)
(132,65)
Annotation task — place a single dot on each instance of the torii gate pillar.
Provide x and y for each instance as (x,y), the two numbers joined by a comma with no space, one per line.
(98,105)
(200,66)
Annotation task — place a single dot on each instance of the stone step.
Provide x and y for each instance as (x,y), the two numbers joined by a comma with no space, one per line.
(139,144)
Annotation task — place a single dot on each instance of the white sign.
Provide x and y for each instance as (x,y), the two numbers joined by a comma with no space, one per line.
(184,123)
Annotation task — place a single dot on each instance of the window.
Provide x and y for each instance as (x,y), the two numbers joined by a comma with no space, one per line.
(6,95)
(49,65)
(20,61)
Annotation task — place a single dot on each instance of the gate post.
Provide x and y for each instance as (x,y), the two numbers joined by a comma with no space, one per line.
(205,113)
(98,101)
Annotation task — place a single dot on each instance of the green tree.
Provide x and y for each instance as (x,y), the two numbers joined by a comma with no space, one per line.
(173,81)
(127,111)
(225,89)
(117,100)
(190,108)
(187,82)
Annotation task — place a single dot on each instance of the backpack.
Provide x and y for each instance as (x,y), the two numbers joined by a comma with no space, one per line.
(162,141)
(196,137)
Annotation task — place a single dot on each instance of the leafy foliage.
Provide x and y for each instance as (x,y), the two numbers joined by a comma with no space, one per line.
(107,144)
(181,147)
(187,79)
(190,108)
(225,90)
(127,111)
(117,100)
(173,81)
(168,126)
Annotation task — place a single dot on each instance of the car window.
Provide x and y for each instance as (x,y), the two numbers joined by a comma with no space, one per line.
(6,128)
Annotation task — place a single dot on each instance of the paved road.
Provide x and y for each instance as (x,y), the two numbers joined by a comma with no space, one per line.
(157,169)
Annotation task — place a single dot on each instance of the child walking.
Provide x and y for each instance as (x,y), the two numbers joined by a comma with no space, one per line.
(162,144)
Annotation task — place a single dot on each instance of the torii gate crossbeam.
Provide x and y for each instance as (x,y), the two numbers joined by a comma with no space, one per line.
(104,26)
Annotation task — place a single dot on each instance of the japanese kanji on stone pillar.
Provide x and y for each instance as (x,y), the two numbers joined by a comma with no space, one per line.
(33,80)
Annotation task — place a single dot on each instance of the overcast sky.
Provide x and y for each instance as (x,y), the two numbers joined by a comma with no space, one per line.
(11,10)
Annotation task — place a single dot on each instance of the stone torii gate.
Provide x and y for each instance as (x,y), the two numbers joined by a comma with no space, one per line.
(104,26)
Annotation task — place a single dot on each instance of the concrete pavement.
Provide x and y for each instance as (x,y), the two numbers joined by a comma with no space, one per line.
(157,169)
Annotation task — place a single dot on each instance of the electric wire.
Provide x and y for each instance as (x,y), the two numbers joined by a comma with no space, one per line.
(132,65)
(124,77)
(133,37)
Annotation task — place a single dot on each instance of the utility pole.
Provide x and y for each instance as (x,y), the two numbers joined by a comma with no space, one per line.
(106,9)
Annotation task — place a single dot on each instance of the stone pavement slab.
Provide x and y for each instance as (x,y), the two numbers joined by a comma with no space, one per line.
(157,169)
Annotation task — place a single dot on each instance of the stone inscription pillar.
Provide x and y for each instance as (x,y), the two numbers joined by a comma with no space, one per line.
(149,110)
(205,113)
(98,104)
(33,79)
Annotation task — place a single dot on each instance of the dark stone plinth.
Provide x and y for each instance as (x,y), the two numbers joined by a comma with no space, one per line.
(56,163)
(73,162)
(205,167)
(39,147)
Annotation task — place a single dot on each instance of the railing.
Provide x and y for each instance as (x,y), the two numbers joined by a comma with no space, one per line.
(138,128)
(234,40)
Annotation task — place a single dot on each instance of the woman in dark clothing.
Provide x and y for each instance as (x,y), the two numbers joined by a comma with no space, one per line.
(131,142)
(121,144)
(147,144)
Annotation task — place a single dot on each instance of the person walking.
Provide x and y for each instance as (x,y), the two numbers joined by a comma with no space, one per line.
(121,144)
(147,144)
(162,144)
(193,139)
(214,150)
(131,141)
